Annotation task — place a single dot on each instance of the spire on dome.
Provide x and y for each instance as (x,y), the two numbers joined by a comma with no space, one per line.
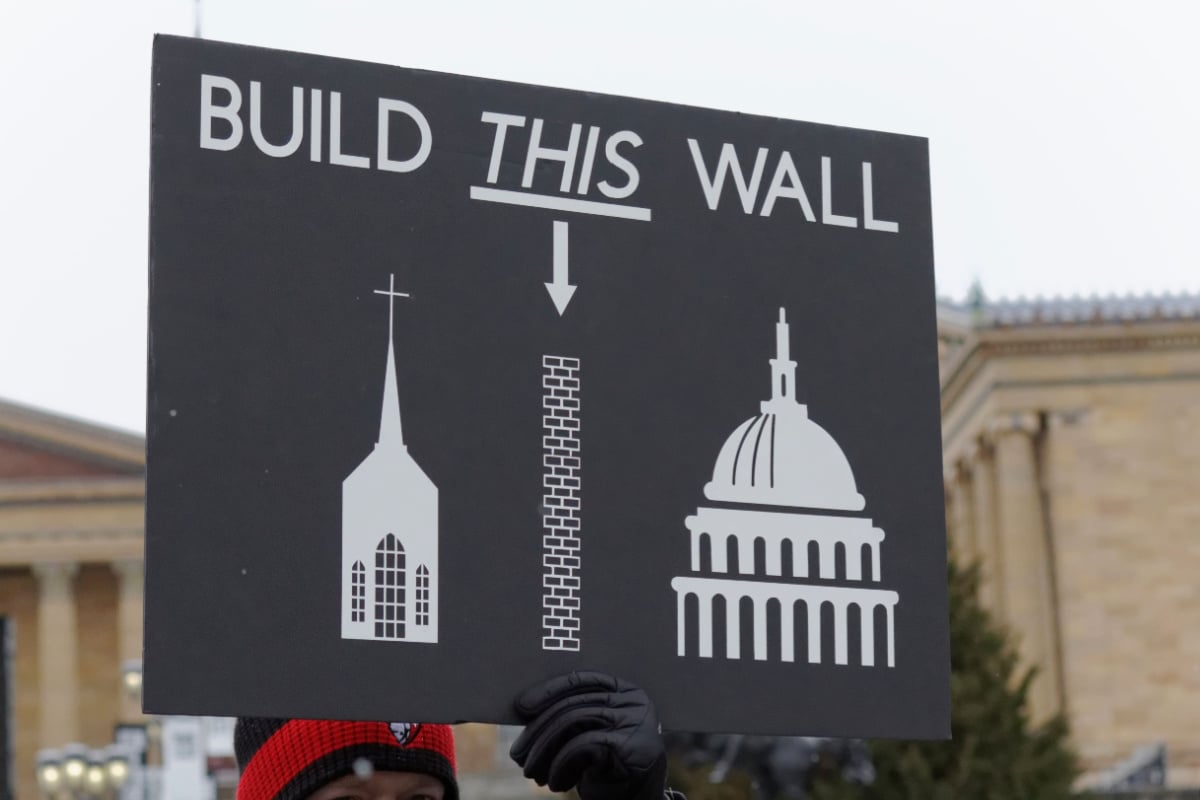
(783,369)
(389,419)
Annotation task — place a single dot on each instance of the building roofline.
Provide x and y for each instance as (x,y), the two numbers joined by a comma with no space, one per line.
(71,436)
(988,344)
(1076,310)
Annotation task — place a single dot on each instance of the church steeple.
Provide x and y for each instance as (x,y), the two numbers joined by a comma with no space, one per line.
(390,430)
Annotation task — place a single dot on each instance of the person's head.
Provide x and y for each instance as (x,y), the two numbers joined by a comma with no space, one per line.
(293,759)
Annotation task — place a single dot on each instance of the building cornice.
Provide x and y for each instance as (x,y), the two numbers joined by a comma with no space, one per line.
(122,450)
(72,490)
(24,547)
(986,344)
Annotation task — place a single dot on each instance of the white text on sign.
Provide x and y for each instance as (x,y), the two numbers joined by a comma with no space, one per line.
(389,111)
(572,162)
(577,168)
(784,184)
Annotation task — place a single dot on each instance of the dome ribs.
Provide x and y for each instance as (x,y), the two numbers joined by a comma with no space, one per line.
(757,440)
(737,457)
(772,451)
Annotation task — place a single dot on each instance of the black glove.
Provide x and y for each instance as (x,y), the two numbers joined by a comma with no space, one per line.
(594,732)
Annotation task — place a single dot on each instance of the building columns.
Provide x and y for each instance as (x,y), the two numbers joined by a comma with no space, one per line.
(58,682)
(962,523)
(1026,557)
(989,546)
(131,583)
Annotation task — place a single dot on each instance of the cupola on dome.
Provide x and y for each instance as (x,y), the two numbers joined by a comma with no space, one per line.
(781,457)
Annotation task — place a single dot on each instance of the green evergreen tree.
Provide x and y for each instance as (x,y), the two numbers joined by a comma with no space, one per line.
(995,753)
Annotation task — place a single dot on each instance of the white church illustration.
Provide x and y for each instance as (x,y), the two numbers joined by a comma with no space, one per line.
(390,530)
(786,568)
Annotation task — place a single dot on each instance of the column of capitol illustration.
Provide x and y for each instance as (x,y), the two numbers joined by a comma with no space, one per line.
(780,543)
(560,503)
(390,530)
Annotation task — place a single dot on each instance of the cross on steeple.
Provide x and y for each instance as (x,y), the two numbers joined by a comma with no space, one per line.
(389,421)
(392,294)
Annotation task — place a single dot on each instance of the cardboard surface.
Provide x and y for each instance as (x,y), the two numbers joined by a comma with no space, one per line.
(658,397)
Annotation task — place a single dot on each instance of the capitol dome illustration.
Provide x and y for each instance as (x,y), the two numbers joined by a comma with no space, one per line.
(783,458)
(780,548)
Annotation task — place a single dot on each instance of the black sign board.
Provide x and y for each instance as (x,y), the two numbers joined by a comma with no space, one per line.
(457,384)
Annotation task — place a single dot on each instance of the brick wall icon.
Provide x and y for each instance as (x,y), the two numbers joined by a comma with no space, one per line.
(560,503)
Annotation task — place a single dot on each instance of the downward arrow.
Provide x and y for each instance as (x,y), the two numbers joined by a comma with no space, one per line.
(560,290)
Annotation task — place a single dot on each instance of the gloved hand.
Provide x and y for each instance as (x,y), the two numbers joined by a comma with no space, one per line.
(593,732)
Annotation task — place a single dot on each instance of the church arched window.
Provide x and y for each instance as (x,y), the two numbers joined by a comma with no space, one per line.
(358,592)
(422,596)
(389,588)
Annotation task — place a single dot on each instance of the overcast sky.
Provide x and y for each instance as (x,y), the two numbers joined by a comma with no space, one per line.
(1063,136)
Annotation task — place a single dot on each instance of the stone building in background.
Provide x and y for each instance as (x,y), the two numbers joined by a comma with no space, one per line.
(71,507)
(1071,433)
(72,497)
(1071,445)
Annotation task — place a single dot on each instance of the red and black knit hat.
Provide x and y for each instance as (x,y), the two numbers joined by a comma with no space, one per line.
(289,759)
